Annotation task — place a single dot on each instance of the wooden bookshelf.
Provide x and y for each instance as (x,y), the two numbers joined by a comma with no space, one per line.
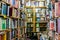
(12,19)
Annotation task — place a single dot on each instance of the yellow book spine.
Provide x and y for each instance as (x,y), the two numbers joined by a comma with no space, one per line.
(4,36)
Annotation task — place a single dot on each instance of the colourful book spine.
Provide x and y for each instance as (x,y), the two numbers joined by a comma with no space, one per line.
(4,9)
(0,23)
(0,37)
(0,7)
(10,11)
(3,24)
(16,3)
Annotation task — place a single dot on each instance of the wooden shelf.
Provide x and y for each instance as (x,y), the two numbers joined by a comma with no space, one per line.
(35,7)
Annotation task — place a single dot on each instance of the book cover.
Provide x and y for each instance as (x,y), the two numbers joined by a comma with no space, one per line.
(3,24)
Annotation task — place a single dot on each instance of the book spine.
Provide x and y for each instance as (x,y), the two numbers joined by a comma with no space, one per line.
(0,24)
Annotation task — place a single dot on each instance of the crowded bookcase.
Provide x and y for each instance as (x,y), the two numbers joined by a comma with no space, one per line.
(36,16)
(12,19)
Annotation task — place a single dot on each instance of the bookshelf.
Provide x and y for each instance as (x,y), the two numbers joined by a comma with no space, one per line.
(12,19)
(36,16)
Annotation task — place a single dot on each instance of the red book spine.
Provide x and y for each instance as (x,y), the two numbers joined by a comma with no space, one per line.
(0,37)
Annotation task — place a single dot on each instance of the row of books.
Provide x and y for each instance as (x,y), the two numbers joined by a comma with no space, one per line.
(9,11)
(35,3)
(37,25)
(8,23)
(30,29)
(14,3)
(22,23)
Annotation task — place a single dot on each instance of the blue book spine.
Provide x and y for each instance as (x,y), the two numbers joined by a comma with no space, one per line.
(13,2)
(4,10)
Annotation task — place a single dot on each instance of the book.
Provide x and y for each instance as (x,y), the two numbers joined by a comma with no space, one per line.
(4,9)
(3,24)
(28,3)
(51,25)
(0,7)
(38,19)
(19,4)
(37,29)
(29,15)
(43,28)
(41,4)
(50,6)
(8,36)
(57,9)
(32,3)
(36,3)
(37,14)
(13,24)
(37,25)
(38,9)
(51,15)
(16,3)
(0,23)
(29,29)
(10,11)
(7,23)
(58,24)
(29,25)
(29,10)
(30,19)
(42,18)
(10,23)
